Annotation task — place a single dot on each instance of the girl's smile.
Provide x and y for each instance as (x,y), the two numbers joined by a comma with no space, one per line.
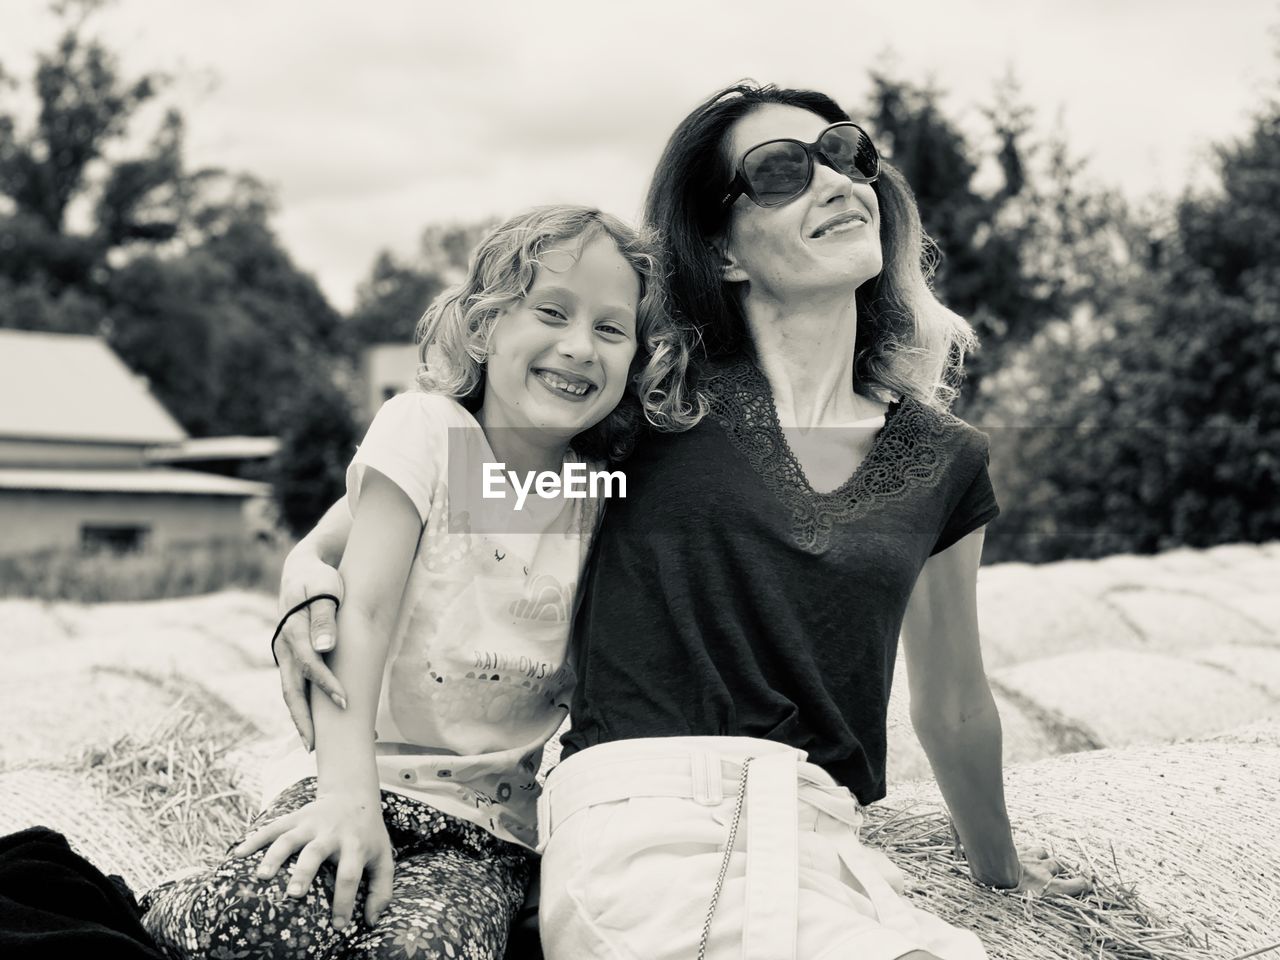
(565,385)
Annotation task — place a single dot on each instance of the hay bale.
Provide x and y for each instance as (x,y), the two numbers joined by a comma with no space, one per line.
(1127,568)
(255,695)
(237,617)
(27,623)
(151,803)
(1025,613)
(250,760)
(1260,605)
(1183,561)
(1235,555)
(1169,619)
(1180,838)
(178,651)
(53,716)
(1257,666)
(109,836)
(1263,732)
(1124,697)
(1224,571)
(1027,735)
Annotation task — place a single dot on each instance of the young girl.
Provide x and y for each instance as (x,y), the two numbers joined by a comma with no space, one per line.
(456,614)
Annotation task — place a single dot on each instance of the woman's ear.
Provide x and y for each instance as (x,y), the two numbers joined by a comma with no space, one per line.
(730,272)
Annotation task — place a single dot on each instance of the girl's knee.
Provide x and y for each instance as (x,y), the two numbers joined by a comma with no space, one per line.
(430,938)
(233,912)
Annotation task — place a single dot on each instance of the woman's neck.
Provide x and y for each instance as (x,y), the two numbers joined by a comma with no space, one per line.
(806,353)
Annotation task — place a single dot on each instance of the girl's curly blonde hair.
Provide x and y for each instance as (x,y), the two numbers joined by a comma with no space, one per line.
(455,330)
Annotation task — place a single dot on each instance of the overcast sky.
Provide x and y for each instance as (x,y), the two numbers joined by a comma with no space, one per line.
(375,118)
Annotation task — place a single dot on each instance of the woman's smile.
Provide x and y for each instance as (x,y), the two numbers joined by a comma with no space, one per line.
(842,223)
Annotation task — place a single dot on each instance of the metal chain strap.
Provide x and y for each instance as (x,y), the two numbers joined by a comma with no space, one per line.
(724,863)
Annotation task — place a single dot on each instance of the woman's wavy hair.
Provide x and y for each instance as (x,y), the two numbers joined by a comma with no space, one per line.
(454,332)
(908,342)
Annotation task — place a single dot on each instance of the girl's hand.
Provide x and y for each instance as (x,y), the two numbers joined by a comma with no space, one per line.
(1044,876)
(306,635)
(346,829)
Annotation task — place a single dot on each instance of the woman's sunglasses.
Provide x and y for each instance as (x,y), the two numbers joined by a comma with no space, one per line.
(777,171)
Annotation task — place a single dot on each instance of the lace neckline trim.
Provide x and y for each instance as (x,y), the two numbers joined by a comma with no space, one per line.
(904,454)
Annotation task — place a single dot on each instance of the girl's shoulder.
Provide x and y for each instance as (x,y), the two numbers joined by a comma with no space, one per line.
(430,403)
(434,406)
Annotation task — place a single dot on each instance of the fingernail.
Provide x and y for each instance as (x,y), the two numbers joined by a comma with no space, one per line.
(340,700)
(339,923)
(324,643)
(295,890)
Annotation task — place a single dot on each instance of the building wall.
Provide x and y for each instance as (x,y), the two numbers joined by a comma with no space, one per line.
(56,453)
(38,520)
(386,369)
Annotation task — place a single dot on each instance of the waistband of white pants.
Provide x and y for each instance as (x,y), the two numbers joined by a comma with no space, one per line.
(703,769)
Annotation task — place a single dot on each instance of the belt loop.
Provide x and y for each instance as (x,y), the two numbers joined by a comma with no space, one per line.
(544,818)
(708,780)
(773,859)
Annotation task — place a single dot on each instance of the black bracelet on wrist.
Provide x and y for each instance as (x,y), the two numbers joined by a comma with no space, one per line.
(294,609)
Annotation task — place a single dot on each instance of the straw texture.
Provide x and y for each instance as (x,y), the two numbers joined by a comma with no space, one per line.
(50,716)
(1181,839)
(107,834)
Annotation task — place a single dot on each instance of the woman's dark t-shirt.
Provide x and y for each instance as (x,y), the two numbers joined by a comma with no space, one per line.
(726,597)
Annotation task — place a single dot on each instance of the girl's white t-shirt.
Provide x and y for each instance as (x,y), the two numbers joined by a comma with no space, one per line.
(477,677)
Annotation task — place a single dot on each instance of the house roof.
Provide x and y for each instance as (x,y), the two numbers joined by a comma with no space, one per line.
(180,482)
(217,448)
(67,387)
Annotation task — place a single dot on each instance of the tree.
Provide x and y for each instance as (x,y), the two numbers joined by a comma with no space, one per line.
(1157,416)
(390,301)
(179,269)
(317,439)
(84,105)
(229,329)
(1013,257)
(393,298)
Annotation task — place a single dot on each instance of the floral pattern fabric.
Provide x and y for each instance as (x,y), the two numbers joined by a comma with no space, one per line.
(456,890)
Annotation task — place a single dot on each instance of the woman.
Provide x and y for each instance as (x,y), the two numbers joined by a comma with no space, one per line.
(737,634)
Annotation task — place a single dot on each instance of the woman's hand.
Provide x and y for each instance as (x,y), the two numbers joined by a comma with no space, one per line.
(1043,876)
(344,828)
(306,635)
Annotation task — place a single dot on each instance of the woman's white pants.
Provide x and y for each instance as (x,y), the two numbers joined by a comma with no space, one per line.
(634,834)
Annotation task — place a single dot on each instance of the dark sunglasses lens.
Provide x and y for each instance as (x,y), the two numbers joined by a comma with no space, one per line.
(777,172)
(850,151)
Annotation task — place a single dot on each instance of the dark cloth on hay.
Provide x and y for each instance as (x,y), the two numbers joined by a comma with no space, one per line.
(54,903)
